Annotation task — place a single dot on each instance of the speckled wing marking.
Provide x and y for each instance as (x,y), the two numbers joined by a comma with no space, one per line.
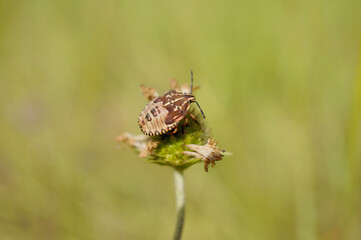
(152,119)
(163,113)
(177,106)
(174,117)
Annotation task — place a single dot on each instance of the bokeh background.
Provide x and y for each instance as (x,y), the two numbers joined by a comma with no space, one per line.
(280,86)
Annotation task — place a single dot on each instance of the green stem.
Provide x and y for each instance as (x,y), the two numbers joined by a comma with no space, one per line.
(180,202)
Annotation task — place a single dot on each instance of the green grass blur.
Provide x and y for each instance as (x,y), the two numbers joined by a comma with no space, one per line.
(280,87)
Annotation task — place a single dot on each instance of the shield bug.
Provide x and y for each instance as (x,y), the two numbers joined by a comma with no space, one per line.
(163,114)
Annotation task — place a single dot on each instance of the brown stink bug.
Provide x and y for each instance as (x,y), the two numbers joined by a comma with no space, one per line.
(163,114)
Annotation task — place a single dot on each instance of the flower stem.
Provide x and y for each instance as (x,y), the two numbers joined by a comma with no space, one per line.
(180,202)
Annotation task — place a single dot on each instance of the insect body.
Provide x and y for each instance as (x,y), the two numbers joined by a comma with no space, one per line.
(163,114)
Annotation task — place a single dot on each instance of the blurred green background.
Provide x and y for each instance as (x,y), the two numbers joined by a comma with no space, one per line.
(280,86)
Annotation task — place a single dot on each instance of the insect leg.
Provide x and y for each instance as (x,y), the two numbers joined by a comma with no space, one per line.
(184,124)
(185,121)
(194,118)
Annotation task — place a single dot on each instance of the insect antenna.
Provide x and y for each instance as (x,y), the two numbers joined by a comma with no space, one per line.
(191,81)
(200,109)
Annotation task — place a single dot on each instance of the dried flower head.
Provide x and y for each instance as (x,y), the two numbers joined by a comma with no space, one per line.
(139,142)
(209,153)
(185,88)
(172,149)
(149,93)
(148,150)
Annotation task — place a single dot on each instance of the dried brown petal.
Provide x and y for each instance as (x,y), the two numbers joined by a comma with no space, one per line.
(137,141)
(185,88)
(209,153)
(151,145)
(149,93)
